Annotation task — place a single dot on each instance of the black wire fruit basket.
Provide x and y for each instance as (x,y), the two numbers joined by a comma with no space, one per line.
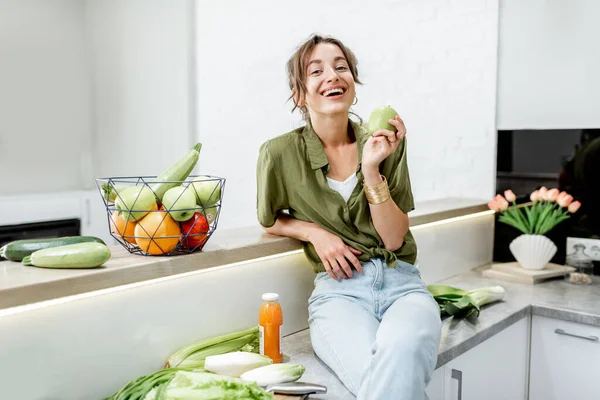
(162,218)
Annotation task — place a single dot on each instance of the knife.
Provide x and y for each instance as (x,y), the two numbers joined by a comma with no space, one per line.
(298,388)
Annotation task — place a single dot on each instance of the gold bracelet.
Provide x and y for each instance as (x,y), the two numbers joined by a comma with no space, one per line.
(379,193)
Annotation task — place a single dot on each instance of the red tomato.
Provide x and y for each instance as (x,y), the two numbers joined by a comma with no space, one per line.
(195,231)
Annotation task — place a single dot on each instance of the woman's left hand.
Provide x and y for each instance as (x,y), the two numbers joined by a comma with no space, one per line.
(383,143)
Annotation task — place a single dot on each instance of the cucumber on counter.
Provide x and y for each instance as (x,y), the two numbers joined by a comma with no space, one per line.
(19,249)
(80,255)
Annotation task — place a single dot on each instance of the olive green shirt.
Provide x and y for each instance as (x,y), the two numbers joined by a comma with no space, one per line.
(291,175)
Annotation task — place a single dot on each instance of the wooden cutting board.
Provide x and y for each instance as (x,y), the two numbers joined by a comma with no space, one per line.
(512,271)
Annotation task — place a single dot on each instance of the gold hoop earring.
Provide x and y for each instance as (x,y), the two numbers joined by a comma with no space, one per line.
(355,101)
(303,110)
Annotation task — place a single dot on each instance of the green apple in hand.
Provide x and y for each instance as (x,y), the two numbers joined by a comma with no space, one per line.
(208,191)
(134,202)
(180,203)
(379,119)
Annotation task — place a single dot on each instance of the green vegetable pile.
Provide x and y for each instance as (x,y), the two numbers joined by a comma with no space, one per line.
(462,303)
(226,367)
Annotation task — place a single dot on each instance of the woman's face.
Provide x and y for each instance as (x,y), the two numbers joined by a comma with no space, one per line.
(329,82)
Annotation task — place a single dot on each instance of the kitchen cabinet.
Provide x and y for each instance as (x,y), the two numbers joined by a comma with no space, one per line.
(435,388)
(565,360)
(494,369)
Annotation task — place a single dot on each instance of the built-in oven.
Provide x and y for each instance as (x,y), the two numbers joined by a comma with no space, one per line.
(38,230)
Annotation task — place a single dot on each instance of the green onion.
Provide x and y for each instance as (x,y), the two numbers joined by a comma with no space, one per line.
(138,388)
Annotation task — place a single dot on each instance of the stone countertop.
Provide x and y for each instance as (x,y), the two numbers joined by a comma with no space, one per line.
(20,286)
(555,299)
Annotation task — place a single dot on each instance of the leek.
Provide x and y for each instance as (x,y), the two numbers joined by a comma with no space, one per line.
(274,373)
(194,355)
(235,363)
(462,303)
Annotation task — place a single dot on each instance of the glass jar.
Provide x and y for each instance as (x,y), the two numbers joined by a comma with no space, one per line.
(584,266)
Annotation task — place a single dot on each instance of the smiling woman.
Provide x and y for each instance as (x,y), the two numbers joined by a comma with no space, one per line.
(298,69)
(347,193)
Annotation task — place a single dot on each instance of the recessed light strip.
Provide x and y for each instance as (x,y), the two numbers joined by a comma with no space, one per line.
(101,292)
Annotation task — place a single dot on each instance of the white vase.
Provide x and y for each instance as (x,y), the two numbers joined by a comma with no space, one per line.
(532,251)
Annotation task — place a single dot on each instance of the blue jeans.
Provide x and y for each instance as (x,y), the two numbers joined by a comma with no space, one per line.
(379,332)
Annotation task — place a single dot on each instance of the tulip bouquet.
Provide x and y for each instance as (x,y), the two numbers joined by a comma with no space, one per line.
(548,208)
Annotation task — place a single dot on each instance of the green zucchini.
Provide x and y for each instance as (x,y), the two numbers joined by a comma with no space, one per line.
(17,250)
(176,173)
(80,255)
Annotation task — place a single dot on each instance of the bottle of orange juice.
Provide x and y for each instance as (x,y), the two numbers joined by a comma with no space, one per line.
(270,320)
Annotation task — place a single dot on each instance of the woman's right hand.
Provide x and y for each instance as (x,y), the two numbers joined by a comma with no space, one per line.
(335,254)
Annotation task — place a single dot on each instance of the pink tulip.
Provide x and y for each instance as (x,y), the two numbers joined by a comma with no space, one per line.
(535,196)
(502,203)
(543,193)
(574,206)
(561,195)
(493,205)
(552,195)
(565,201)
(510,196)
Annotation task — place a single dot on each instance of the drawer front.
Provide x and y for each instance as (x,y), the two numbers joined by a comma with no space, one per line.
(565,360)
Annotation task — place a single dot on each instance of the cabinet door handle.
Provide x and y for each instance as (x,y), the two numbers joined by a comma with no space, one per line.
(88,211)
(590,337)
(457,374)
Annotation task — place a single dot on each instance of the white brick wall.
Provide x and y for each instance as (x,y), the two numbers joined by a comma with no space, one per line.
(434,61)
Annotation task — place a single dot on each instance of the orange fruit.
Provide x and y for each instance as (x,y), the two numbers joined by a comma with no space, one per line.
(157,233)
(125,229)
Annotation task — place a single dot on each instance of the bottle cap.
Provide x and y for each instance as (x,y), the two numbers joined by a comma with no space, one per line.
(270,297)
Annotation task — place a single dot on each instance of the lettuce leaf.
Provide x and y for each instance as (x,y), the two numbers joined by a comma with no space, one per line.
(206,386)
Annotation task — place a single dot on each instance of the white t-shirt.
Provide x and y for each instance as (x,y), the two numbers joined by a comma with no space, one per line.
(344,188)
